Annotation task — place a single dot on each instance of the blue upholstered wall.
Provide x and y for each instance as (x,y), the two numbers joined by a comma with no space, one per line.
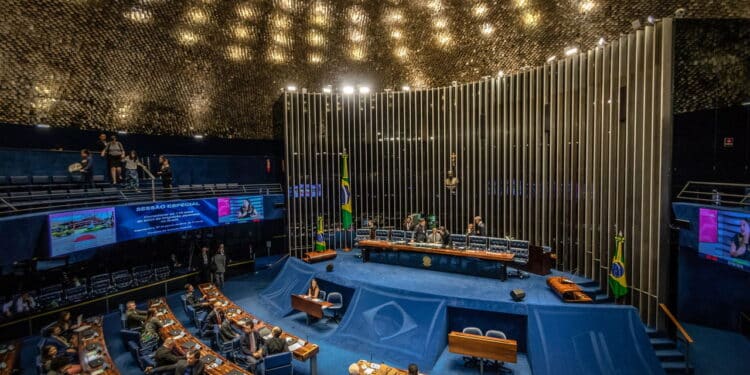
(700,279)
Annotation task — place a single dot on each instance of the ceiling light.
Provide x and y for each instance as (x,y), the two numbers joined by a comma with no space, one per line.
(347,90)
(569,51)
(405,88)
(42,126)
(198,136)
(480,10)
(586,6)
(602,41)
(487,29)
(364,90)
(123,132)
(327,89)
(635,24)
(291,88)
(500,73)
(551,58)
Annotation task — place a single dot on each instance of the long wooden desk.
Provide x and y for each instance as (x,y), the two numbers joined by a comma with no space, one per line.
(319,256)
(501,258)
(378,369)
(568,291)
(311,307)
(301,350)
(185,341)
(92,349)
(502,350)
(9,354)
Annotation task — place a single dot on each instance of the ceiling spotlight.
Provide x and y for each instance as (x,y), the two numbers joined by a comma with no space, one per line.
(122,132)
(454,83)
(327,89)
(650,19)
(551,58)
(405,88)
(291,88)
(500,73)
(602,42)
(680,13)
(364,90)
(43,126)
(198,136)
(570,51)
(347,90)
(635,24)
(487,29)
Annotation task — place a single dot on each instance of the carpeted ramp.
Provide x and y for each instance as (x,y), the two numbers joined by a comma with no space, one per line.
(589,340)
(294,278)
(402,327)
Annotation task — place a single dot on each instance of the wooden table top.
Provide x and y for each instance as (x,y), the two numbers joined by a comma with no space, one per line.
(10,356)
(368,368)
(185,339)
(479,346)
(308,305)
(480,254)
(94,348)
(239,316)
(568,291)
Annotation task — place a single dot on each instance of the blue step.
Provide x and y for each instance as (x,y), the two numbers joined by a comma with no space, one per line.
(676,368)
(602,298)
(662,343)
(670,355)
(589,284)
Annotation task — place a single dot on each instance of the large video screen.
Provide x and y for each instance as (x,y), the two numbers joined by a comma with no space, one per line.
(240,209)
(81,230)
(153,219)
(724,236)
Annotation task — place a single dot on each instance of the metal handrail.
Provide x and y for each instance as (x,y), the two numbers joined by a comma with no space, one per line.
(724,193)
(685,336)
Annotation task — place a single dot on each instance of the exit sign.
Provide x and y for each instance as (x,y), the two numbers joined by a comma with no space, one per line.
(728,142)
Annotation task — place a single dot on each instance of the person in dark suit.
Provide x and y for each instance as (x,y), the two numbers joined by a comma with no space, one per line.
(252,345)
(217,317)
(420,231)
(202,264)
(219,266)
(190,365)
(134,318)
(198,303)
(165,354)
(479,228)
(445,235)
(87,170)
(275,344)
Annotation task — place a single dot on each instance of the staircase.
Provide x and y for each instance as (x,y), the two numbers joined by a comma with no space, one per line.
(671,354)
(592,289)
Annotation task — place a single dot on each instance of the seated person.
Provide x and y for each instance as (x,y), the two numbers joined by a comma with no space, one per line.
(190,365)
(275,344)
(52,363)
(134,318)
(60,342)
(25,303)
(217,317)
(8,309)
(435,237)
(413,369)
(196,302)
(445,234)
(66,324)
(151,326)
(313,291)
(470,229)
(251,345)
(165,355)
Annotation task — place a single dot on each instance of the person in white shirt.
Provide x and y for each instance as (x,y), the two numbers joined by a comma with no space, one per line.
(25,303)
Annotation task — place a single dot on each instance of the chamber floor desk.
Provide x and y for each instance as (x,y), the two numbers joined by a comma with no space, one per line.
(311,306)
(92,349)
(470,262)
(215,363)
(301,350)
(483,347)
(9,353)
(369,368)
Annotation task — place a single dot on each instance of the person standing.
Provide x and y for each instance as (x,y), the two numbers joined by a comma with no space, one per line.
(165,172)
(131,170)
(114,153)
(479,228)
(87,168)
(420,231)
(219,266)
(203,265)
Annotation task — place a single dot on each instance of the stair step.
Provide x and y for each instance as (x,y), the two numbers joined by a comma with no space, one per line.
(650,331)
(602,298)
(676,367)
(589,284)
(670,355)
(662,343)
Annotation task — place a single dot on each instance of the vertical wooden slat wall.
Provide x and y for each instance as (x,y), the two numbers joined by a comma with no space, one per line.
(565,155)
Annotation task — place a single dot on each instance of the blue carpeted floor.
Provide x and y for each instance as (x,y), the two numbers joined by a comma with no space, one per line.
(715,352)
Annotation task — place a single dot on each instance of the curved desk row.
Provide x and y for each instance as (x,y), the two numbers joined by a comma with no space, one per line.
(92,349)
(9,354)
(301,350)
(214,363)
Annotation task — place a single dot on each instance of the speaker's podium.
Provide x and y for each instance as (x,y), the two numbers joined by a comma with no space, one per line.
(319,256)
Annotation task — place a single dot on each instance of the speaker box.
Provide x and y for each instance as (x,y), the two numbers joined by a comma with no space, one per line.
(517,294)
(329,267)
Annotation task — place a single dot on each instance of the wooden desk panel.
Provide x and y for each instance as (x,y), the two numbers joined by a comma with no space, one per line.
(226,366)
(238,316)
(568,292)
(10,357)
(319,256)
(97,344)
(382,369)
(479,254)
(483,347)
(308,306)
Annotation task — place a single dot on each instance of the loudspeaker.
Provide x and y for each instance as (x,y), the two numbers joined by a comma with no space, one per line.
(329,267)
(517,294)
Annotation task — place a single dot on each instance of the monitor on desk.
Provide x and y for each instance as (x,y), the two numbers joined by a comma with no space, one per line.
(362,234)
(398,235)
(458,240)
(478,242)
(381,234)
(499,245)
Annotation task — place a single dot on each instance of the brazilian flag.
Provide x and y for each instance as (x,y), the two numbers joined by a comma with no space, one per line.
(320,242)
(346,196)
(617,281)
